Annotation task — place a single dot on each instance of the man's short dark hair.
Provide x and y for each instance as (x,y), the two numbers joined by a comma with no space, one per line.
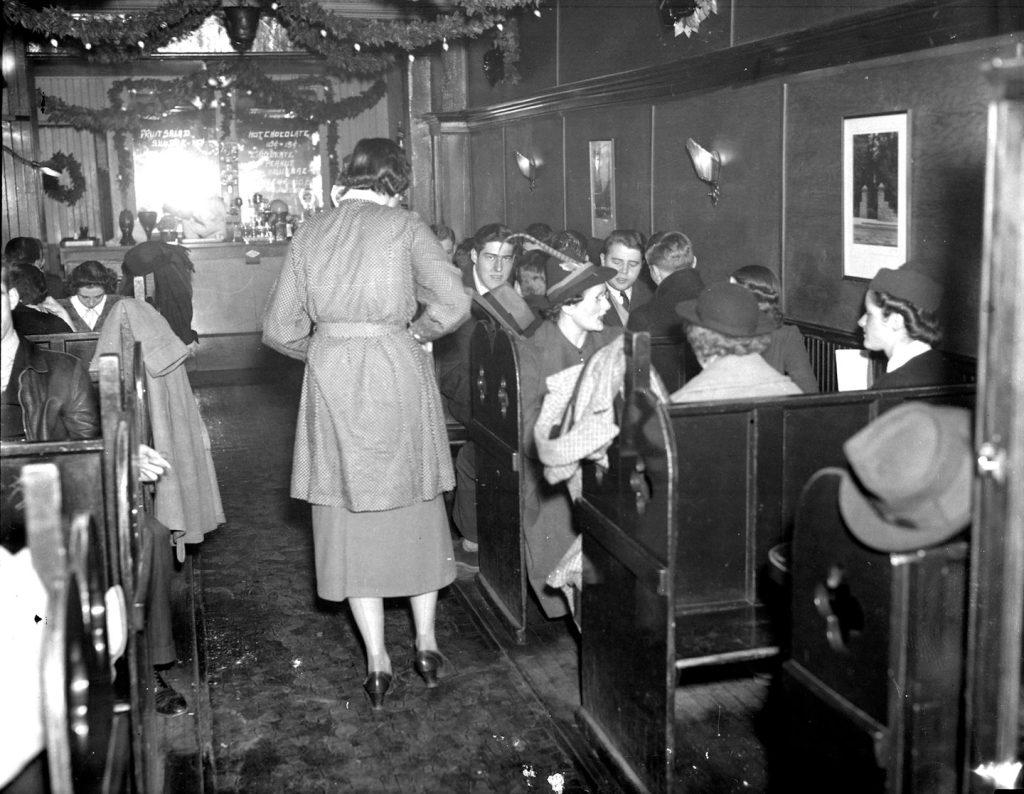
(491,233)
(29,281)
(23,249)
(630,238)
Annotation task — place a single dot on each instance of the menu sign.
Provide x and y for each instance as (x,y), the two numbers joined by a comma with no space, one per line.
(279,158)
(176,161)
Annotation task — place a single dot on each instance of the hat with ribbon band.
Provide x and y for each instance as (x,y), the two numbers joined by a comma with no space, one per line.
(912,477)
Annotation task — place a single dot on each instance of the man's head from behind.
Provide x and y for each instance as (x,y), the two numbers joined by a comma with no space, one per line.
(668,252)
(493,255)
(28,250)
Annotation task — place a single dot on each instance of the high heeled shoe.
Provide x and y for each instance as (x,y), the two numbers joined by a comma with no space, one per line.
(431,667)
(376,686)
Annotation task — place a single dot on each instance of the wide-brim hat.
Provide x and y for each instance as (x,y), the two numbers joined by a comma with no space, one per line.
(728,309)
(567,279)
(912,478)
(909,283)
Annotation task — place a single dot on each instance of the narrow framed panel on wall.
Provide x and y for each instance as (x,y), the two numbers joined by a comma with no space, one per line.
(876,193)
(602,188)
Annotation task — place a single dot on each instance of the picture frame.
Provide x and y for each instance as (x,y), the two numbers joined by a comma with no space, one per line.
(602,188)
(876,193)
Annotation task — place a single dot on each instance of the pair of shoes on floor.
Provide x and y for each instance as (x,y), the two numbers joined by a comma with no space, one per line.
(432,667)
(169,701)
(376,686)
(467,555)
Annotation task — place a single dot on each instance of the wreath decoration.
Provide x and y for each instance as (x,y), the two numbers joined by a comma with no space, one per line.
(70,185)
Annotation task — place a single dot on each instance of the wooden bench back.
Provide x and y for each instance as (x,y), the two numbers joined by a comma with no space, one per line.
(677,535)
(79,345)
(86,739)
(875,678)
(99,477)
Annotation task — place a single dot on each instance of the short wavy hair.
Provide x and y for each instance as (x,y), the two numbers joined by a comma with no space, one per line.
(921,324)
(443,232)
(29,281)
(24,249)
(630,238)
(708,344)
(91,274)
(377,164)
(765,286)
(669,252)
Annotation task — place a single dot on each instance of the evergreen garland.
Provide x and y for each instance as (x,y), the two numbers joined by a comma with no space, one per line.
(349,45)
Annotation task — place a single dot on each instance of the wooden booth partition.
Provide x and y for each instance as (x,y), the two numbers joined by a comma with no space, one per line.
(496,430)
(678,573)
(874,685)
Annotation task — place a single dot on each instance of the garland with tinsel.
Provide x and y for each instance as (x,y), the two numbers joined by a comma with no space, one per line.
(208,87)
(349,45)
(68,167)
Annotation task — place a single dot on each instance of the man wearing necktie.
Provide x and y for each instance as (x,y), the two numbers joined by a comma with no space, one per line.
(623,251)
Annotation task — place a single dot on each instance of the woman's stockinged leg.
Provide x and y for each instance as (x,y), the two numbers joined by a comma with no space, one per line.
(424,609)
(369,616)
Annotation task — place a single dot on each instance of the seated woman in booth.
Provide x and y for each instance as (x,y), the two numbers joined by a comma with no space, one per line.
(728,333)
(92,288)
(900,320)
(786,352)
(573,330)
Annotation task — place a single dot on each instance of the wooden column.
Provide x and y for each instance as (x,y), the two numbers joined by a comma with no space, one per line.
(997,542)
(418,144)
(454,188)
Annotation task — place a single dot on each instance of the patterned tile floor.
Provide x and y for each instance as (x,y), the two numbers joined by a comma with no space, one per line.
(285,671)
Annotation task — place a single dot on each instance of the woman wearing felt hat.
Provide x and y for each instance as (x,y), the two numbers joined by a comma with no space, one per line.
(572,331)
(900,320)
(728,332)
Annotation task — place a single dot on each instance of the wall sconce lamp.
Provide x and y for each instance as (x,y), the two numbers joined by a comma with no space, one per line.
(46,169)
(242,23)
(528,168)
(707,165)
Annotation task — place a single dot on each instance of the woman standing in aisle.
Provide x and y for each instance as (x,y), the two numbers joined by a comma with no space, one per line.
(371,450)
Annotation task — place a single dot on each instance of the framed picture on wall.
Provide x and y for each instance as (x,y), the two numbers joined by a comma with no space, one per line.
(876,200)
(602,188)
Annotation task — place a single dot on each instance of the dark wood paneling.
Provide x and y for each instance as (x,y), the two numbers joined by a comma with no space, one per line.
(746,127)
(537,42)
(601,37)
(542,140)
(946,96)
(631,129)
(760,20)
(489,164)
(905,29)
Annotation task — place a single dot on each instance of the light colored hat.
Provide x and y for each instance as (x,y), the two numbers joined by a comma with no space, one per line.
(912,477)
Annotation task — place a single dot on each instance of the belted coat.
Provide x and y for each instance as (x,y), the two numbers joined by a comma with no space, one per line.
(371,433)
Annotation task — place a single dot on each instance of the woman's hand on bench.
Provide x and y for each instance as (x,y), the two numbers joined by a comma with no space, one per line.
(152,464)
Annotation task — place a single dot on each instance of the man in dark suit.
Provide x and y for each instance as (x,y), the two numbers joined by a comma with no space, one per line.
(673,268)
(624,251)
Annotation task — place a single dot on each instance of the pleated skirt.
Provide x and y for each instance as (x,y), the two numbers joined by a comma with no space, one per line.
(384,553)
